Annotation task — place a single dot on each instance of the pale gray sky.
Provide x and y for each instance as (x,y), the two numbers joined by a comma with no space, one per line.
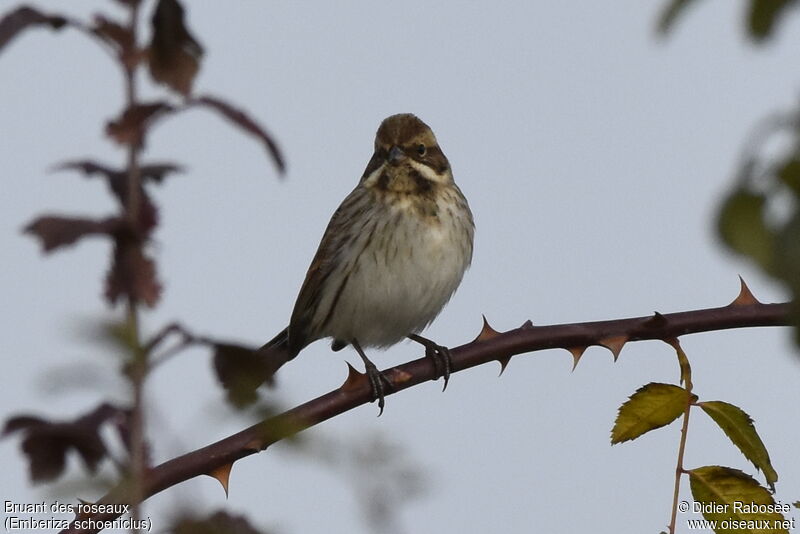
(593,155)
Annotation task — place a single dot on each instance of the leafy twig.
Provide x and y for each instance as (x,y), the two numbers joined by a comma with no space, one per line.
(139,367)
(686,377)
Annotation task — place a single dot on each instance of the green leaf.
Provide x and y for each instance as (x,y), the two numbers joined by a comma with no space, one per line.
(670,14)
(787,266)
(652,406)
(787,253)
(736,501)
(763,15)
(742,228)
(794,318)
(788,172)
(738,426)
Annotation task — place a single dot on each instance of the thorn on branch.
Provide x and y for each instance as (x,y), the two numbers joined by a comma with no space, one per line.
(614,344)
(576,352)
(503,364)
(656,321)
(745,296)
(353,380)
(222,474)
(487,332)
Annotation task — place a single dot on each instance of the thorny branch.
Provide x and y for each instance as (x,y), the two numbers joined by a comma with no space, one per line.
(217,459)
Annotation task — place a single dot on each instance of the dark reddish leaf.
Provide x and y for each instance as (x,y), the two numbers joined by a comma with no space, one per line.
(131,126)
(157,171)
(89,168)
(174,54)
(241,371)
(24,17)
(123,428)
(132,274)
(117,181)
(242,120)
(219,523)
(46,443)
(21,423)
(118,178)
(148,214)
(117,36)
(113,33)
(55,231)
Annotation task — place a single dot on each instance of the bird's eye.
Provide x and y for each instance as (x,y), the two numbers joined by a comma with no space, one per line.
(421,150)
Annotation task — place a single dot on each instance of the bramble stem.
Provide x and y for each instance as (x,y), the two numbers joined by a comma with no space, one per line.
(139,364)
(490,348)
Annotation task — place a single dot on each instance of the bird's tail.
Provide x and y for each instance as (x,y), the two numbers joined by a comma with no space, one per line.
(275,352)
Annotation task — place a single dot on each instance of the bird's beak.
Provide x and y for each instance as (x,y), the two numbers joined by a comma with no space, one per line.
(396,155)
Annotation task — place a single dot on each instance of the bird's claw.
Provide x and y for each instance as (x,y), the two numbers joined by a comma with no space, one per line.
(378,383)
(438,354)
(442,361)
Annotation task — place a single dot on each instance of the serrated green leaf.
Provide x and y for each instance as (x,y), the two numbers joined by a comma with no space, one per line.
(652,406)
(763,15)
(738,426)
(670,14)
(733,499)
(742,227)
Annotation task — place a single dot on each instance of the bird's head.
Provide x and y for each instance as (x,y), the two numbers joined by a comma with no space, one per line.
(407,157)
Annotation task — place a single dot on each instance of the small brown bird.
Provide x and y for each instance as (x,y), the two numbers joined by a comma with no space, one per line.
(392,255)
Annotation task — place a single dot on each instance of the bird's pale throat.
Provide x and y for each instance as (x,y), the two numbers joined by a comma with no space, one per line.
(405,179)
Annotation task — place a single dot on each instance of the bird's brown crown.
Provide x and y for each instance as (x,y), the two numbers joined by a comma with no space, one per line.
(406,148)
(404,129)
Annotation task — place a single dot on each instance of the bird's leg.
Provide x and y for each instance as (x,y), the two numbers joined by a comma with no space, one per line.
(439,355)
(375,377)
